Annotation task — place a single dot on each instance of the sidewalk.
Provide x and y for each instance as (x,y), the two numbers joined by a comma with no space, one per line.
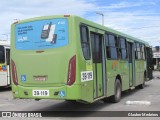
(156,74)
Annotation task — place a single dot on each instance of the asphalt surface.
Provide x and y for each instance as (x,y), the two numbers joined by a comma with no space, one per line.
(150,94)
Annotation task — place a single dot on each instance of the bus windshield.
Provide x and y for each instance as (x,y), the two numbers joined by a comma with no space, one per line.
(42,34)
(2,55)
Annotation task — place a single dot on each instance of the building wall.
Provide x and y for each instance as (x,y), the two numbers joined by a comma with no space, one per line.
(156,57)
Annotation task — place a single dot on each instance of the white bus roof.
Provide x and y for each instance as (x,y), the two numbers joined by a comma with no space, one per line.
(5,42)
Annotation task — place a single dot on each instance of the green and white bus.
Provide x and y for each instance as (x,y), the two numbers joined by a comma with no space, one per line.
(70,58)
(5,80)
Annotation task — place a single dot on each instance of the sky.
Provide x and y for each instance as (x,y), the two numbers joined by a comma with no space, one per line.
(138,18)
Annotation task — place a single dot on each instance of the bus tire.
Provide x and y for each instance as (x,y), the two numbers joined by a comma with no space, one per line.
(106,100)
(71,101)
(141,86)
(117,92)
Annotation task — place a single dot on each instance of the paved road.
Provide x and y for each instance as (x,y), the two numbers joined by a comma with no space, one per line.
(150,93)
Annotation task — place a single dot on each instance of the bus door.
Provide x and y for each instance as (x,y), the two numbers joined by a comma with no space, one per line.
(97,45)
(8,65)
(131,64)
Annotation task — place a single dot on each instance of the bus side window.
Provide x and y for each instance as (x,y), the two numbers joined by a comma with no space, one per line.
(108,53)
(111,46)
(135,51)
(123,48)
(8,56)
(143,52)
(138,50)
(85,42)
(2,55)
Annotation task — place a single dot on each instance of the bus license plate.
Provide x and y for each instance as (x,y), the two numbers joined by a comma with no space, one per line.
(40,92)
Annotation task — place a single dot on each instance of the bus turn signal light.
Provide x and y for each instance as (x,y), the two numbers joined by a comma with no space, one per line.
(72,71)
(14,73)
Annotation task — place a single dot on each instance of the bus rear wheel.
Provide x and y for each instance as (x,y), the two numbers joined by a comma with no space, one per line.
(117,92)
(141,86)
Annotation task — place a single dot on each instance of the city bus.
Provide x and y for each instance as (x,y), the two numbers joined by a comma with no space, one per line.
(4,63)
(69,58)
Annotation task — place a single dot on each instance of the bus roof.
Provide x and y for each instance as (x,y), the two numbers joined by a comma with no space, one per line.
(86,22)
(4,43)
(114,31)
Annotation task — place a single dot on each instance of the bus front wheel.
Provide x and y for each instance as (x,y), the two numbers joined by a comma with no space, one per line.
(117,92)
